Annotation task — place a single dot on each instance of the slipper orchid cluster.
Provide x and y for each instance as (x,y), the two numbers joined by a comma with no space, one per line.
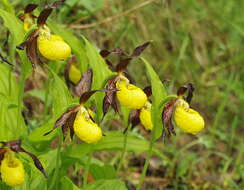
(11,168)
(127,94)
(176,112)
(39,38)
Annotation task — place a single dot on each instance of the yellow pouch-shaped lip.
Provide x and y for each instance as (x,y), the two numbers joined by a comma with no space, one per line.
(145,118)
(85,128)
(12,172)
(130,95)
(54,48)
(187,119)
(74,74)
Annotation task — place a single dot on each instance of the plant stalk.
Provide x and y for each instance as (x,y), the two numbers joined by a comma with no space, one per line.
(124,148)
(87,168)
(145,167)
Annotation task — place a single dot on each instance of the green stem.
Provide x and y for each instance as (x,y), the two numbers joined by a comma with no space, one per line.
(124,148)
(87,168)
(56,179)
(145,167)
(20,99)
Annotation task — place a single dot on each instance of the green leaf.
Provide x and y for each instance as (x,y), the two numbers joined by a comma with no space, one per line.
(9,93)
(113,140)
(158,94)
(67,184)
(114,184)
(102,172)
(60,95)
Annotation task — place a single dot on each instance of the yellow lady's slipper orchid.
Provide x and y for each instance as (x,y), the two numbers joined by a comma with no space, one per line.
(85,128)
(187,119)
(145,116)
(74,74)
(53,47)
(130,95)
(12,171)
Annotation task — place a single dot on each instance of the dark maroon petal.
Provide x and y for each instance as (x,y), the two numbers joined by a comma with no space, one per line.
(117,51)
(167,115)
(190,92)
(122,64)
(64,118)
(138,50)
(86,95)
(148,91)
(41,20)
(110,95)
(134,118)
(37,162)
(189,89)
(85,83)
(30,7)
(68,125)
(31,51)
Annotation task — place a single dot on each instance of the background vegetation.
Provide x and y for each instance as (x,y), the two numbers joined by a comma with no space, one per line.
(193,41)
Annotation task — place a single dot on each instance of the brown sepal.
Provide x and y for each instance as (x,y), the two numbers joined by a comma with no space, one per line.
(31,51)
(189,89)
(148,91)
(64,118)
(36,161)
(30,7)
(86,95)
(42,18)
(85,83)
(167,115)
(31,47)
(134,118)
(138,50)
(121,66)
(110,98)
(68,125)
(117,51)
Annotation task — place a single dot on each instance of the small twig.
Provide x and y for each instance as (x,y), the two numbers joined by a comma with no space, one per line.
(109,19)
(5,60)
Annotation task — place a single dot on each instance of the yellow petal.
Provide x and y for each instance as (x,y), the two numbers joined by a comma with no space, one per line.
(54,48)
(130,95)
(187,119)
(12,172)
(85,128)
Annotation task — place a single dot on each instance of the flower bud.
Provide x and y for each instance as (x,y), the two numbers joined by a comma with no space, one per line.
(187,119)
(145,116)
(130,95)
(53,47)
(12,171)
(85,128)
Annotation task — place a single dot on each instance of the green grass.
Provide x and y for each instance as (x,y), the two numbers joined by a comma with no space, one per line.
(193,41)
